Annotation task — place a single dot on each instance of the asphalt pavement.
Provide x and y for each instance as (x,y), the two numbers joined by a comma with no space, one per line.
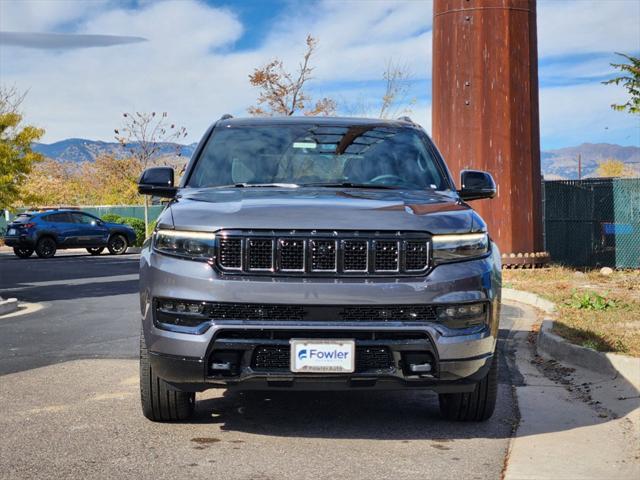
(70,404)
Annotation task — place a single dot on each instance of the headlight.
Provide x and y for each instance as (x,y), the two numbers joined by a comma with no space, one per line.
(463,315)
(451,248)
(194,245)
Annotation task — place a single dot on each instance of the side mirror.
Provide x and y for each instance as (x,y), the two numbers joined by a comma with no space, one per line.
(476,185)
(157,181)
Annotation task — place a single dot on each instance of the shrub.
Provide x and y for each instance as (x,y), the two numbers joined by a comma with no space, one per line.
(138,227)
(112,218)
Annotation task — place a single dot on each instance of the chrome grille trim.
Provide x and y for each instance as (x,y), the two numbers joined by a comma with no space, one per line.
(295,253)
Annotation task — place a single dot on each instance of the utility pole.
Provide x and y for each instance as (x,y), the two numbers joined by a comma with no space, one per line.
(579,166)
(485,111)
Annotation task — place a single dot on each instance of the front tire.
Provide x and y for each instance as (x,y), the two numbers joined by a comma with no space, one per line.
(159,402)
(95,250)
(46,247)
(117,244)
(476,406)
(22,252)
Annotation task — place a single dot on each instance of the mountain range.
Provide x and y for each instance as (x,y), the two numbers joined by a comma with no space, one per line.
(556,164)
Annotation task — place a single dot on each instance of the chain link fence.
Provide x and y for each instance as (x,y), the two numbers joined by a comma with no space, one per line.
(593,222)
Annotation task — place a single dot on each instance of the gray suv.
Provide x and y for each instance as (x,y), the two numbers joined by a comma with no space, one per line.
(307,253)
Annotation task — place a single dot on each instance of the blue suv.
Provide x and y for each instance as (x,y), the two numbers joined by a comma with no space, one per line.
(45,232)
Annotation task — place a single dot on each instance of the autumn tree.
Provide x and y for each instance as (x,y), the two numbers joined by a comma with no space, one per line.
(53,183)
(613,168)
(630,79)
(16,156)
(282,93)
(143,135)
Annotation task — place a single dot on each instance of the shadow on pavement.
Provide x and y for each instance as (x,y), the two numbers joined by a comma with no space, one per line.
(76,292)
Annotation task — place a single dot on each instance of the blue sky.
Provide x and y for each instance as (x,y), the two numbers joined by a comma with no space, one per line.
(192,58)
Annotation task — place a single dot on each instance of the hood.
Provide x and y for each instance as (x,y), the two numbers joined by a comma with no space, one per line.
(320,208)
(117,225)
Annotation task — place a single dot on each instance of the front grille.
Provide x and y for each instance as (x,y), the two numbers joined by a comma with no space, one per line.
(278,357)
(320,313)
(323,253)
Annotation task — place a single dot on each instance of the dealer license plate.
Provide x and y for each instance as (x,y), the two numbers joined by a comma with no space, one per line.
(12,231)
(322,356)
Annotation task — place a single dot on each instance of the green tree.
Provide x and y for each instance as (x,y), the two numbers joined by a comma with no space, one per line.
(630,79)
(16,156)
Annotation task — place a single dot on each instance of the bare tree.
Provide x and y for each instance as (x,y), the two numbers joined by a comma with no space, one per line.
(282,93)
(143,135)
(395,101)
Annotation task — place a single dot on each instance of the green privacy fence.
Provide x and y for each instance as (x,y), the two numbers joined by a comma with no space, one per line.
(135,211)
(594,222)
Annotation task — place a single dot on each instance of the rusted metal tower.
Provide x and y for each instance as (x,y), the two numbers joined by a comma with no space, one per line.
(485,111)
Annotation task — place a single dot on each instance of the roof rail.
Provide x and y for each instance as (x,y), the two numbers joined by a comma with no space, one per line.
(226,116)
(405,119)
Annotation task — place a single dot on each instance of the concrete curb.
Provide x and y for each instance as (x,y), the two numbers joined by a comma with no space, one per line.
(552,345)
(134,249)
(8,306)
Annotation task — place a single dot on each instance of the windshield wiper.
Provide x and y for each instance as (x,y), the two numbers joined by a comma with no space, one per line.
(352,185)
(259,185)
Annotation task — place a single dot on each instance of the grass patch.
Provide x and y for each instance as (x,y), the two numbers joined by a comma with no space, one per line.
(594,311)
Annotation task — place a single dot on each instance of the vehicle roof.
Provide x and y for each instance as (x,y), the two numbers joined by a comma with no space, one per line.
(54,210)
(316,120)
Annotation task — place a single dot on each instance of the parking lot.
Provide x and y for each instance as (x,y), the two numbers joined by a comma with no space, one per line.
(69,395)
(71,409)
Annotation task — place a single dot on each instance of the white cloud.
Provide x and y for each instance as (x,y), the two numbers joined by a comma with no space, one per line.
(188,66)
(43,15)
(582,113)
(588,26)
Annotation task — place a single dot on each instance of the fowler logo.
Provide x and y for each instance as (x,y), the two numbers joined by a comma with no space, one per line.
(322,354)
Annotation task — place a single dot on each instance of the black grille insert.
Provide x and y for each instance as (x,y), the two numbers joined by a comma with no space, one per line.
(417,255)
(231,253)
(277,357)
(260,253)
(355,256)
(386,255)
(323,255)
(320,313)
(292,254)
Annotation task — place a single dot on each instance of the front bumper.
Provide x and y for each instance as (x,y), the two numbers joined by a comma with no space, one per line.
(460,358)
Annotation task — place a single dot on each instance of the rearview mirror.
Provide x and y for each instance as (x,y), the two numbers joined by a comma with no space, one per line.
(157,181)
(476,185)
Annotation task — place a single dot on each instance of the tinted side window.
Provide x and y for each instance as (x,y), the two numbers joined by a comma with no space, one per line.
(59,218)
(82,218)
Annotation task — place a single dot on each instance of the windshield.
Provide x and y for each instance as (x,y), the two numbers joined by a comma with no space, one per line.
(360,155)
